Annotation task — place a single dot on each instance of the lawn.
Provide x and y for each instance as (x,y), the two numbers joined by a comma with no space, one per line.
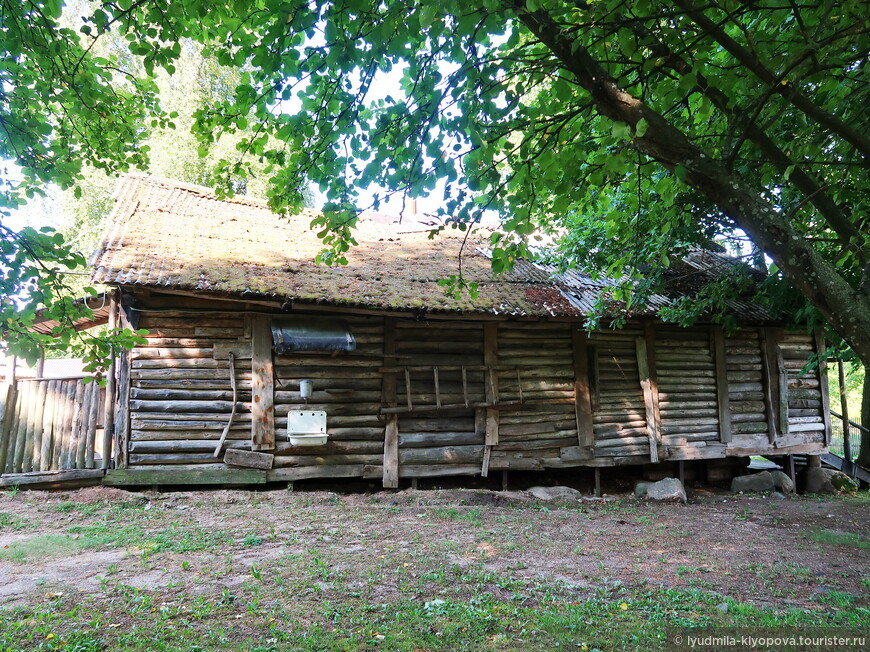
(103,569)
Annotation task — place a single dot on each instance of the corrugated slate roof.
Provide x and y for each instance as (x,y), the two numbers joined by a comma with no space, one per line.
(165,234)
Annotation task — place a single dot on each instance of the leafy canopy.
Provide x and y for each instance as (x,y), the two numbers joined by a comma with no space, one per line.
(633,129)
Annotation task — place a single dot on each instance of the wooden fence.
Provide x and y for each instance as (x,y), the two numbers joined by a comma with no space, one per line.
(49,424)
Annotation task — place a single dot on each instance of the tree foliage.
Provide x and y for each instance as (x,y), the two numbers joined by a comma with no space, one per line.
(634,129)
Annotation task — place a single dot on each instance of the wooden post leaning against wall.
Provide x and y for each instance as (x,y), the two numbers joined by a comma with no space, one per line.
(262,384)
(582,390)
(717,341)
(390,399)
(109,407)
(122,405)
(775,383)
(490,360)
(646,365)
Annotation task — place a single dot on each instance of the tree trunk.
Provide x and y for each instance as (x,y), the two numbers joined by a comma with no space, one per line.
(864,450)
(846,309)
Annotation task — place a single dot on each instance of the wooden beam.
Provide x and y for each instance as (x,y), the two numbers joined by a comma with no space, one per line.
(582,390)
(262,384)
(771,367)
(249,459)
(109,405)
(646,364)
(189,474)
(718,347)
(821,348)
(390,478)
(490,360)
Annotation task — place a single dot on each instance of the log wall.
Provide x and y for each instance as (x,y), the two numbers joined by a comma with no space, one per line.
(469,397)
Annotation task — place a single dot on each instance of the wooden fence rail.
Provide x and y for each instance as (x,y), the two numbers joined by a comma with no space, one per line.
(48,424)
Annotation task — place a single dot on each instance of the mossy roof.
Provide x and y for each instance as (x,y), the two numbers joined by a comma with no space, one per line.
(170,235)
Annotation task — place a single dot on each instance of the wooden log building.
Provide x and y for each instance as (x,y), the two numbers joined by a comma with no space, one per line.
(413,383)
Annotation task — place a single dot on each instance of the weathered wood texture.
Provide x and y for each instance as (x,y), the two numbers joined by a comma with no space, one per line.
(424,402)
(48,425)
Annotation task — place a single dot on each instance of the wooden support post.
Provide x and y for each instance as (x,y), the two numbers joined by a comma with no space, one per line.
(844,412)
(262,385)
(791,471)
(597,489)
(718,347)
(109,406)
(40,365)
(681,472)
(389,398)
(582,391)
(771,382)
(414,483)
(504,480)
(490,359)
(122,411)
(821,352)
(646,364)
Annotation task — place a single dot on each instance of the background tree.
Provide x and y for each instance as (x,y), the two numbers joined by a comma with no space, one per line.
(669,120)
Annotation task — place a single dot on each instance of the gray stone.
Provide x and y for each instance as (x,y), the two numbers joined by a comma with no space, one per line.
(667,489)
(782,482)
(555,493)
(640,488)
(753,483)
(818,480)
(723,607)
(777,495)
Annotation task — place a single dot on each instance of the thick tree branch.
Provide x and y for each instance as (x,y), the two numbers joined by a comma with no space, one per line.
(845,308)
(859,141)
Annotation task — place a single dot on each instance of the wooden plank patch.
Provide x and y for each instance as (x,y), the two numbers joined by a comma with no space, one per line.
(248,459)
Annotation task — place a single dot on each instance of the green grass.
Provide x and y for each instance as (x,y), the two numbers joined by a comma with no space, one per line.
(12,522)
(834,538)
(135,621)
(473,516)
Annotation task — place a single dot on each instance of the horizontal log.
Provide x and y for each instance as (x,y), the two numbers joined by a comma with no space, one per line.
(431,439)
(206,474)
(805,419)
(290,474)
(179,363)
(409,423)
(696,453)
(734,388)
(191,407)
(182,446)
(241,433)
(526,445)
(807,427)
(621,441)
(295,374)
(747,417)
(180,374)
(170,458)
(186,394)
(749,427)
(331,447)
(373,471)
(745,396)
(173,352)
(326,459)
(803,403)
(688,414)
(441,455)
(743,367)
(812,394)
(739,407)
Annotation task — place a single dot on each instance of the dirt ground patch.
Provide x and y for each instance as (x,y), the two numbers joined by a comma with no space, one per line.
(230,547)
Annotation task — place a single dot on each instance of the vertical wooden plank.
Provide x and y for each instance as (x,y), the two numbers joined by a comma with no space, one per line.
(109,404)
(30,428)
(390,399)
(782,385)
(47,420)
(594,376)
(821,348)
(770,367)
(718,347)
(490,359)
(582,391)
(59,430)
(17,452)
(82,425)
(262,385)
(38,420)
(122,411)
(8,391)
(767,380)
(76,424)
(93,417)
(645,350)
